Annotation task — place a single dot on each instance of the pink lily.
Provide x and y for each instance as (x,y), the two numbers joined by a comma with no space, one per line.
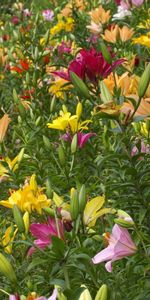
(144,149)
(137,2)
(48,14)
(120,245)
(82,138)
(44,232)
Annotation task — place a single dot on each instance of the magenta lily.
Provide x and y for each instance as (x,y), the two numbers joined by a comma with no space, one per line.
(91,64)
(82,138)
(44,232)
(120,245)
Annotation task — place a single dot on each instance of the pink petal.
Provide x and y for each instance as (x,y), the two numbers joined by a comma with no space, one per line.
(108,266)
(54,295)
(104,255)
(41,231)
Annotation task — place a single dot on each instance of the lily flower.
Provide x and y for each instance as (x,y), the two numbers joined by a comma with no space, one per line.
(120,246)
(93,210)
(4,122)
(44,231)
(28,198)
(69,122)
(33,296)
(89,63)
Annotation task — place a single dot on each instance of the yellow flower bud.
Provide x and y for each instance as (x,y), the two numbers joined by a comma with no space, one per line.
(26,221)
(102,293)
(6,269)
(79,110)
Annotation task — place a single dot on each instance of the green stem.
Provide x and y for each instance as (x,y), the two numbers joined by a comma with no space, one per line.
(136,108)
(66,276)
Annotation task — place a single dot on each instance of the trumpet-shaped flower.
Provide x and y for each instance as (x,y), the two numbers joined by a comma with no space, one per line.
(93,210)
(28,198)
(120,245)
(44,232)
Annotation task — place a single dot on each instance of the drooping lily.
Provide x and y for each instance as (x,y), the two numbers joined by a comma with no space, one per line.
(120,246)
(44,231)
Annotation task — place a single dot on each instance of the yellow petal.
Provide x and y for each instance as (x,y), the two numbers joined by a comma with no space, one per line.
(92,207)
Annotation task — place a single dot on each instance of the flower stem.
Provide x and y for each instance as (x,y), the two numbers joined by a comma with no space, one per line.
(66,276)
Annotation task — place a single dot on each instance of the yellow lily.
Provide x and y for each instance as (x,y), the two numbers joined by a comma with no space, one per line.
(8,238)
(28,198)
(12,165)
(93,210)
(68,121)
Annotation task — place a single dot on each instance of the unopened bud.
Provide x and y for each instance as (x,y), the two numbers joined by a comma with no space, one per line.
(85,295)
(74,205)
(105,94)
(82,198)
(61,155)
(53,104)
(38,121)
(15,96)
(74,144)
(26,220)
(33,183)
(106,53)
(36,53)
(46,37)
(79,110)
(49,191)
(18,218)
(79,85)
(7,269)
(27,78)
(144,81)
(49,211)
(102,293)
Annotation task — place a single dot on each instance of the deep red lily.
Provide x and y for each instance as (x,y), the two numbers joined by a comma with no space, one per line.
(91,64)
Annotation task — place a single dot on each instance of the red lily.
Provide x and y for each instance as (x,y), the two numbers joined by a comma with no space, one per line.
(24,66)
(90,63)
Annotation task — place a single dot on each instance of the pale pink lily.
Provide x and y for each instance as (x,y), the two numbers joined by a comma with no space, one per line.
(137,2)
(82,138)
(44,232)
(48,14)
(120,245)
